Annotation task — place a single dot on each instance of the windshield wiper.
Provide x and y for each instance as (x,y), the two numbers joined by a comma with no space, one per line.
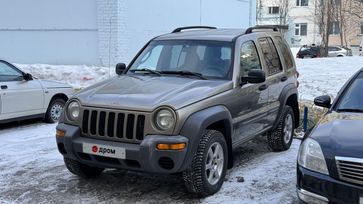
(353,110)
(185,73)
(146,70)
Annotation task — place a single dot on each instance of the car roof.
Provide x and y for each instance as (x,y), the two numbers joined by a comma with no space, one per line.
(210,34)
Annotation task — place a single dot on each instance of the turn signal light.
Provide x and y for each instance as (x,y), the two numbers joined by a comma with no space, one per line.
(177,146)
(60,133)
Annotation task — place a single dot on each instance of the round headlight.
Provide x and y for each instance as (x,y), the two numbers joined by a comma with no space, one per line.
(73,110)
(165,119)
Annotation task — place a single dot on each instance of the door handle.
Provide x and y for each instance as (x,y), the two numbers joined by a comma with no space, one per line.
(263,87)
(4,87)
(284,78)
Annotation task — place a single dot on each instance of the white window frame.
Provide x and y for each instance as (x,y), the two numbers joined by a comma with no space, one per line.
(271,9)
(298,3)
(298,26)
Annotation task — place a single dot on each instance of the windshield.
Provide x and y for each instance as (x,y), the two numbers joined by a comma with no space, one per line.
(201,58)
(352,99)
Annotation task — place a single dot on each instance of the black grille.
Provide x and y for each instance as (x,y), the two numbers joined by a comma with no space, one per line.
(350,169)
(113,125)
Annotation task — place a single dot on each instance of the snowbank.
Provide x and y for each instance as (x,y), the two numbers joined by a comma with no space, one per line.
(79,76)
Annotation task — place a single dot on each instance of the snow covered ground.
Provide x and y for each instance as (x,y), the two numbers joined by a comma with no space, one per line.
(32,170)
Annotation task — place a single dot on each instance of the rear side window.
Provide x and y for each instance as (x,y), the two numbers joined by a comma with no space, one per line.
(285,52)
(271,57)
(249,58)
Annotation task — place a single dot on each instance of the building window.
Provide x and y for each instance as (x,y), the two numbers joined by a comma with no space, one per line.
(273,10)
(361,28)
(302,2)
(335,29)
(301,29)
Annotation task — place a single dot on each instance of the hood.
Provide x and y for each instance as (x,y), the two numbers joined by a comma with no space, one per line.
(146,93)
(53,84)
(340,134)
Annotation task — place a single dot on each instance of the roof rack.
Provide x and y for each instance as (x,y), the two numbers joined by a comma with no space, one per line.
(262,27)
(178,30)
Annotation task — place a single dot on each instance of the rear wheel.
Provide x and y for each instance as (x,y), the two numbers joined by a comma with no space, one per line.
(207,171)
(280,138)
(82,170)
(55,110)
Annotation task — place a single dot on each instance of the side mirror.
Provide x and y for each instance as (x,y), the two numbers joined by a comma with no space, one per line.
(254,76)
(27,77)
(120,68)
(323,101)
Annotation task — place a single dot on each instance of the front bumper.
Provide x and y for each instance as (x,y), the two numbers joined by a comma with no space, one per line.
(139,157)
(325,189)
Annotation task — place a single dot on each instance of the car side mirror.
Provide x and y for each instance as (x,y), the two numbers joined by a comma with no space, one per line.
(27,77)
(254,76)
(120,68)
(323,101)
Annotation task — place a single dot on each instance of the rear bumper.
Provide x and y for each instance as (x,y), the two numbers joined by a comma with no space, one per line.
(323,188)
(139,157)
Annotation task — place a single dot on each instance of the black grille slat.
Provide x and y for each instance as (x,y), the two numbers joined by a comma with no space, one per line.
(140,127)
(85,121)
(130,126)
(101,123)
(120,125)
(93,125)
(113,125)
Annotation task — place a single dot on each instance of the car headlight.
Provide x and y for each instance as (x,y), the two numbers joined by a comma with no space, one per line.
(311,156)
(73,110)
(164,119)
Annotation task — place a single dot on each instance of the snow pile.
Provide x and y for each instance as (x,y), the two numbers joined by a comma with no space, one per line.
(79,76)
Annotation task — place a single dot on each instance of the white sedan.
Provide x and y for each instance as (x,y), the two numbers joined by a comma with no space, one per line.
(22,96)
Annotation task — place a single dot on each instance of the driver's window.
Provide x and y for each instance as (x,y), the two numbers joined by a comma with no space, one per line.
(8,73)
(249,58)
(151,58)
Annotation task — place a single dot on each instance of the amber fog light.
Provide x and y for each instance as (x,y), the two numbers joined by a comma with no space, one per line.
(60,133)
(176,146)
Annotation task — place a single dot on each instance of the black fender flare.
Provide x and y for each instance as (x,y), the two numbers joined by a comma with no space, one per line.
(288,91)
(197,123)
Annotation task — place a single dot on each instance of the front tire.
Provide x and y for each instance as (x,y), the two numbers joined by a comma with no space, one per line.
(54,110)
(207,171)
(82,170)
(281,137)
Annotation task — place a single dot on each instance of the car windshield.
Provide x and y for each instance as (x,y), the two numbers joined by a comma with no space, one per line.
(352,99)
(202,59)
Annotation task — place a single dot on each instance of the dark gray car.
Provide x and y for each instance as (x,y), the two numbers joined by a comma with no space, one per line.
(185,101)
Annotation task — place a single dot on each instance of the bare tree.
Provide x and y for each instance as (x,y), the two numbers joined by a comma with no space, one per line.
(283,11)
(325,16)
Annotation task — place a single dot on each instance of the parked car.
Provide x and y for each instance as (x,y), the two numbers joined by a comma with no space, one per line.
(335,51)
(314,52)
(308,52)
(22,96)
(181,106)
(330,161)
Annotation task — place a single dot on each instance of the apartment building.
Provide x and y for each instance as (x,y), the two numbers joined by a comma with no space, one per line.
(300,17)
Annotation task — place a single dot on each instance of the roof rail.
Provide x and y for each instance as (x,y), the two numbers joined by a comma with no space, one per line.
(261,27)
(178,30)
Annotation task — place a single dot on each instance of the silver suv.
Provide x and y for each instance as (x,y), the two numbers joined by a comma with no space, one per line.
(183,103)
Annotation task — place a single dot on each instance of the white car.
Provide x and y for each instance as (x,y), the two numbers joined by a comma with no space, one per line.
(335,51)
(23,96)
